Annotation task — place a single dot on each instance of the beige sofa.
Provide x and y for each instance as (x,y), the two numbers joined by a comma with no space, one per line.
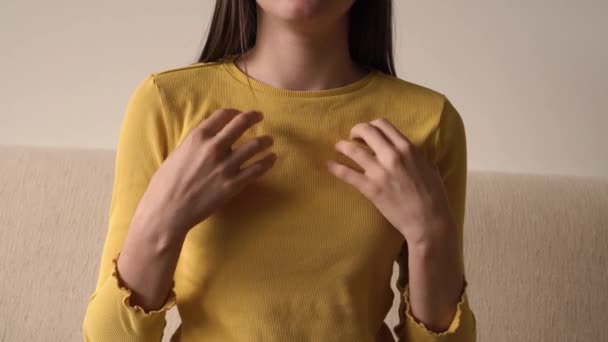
(536,249)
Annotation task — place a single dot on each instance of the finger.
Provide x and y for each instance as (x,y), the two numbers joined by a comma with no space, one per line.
(217,120)
(248,150)
(374,138)
(234,129)
(352,177)
(365,159)
(258,168)
(401,142)
(391,132)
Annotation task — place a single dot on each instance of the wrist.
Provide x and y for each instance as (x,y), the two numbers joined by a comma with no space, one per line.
(437,233)
(158,229)
(441,246)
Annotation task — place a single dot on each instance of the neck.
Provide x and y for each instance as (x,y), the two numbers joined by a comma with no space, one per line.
(288,57)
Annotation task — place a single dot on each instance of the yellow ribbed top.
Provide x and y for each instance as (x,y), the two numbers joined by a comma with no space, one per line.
(298,255)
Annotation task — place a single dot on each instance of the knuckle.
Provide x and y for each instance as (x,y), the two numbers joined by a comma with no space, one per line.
(253,115)
(194,140)
(393,159)
(214,145)
(242,119)
(203,133)
(340,171)
(211,150)
(192,137)
(222,170)
(383,177)
(350,148)
(224,111)
(255,143)
(381,120)
(405,149)
(366,126)
(219,111)
(227,185)
(261,166)
(373,190)
(361,126)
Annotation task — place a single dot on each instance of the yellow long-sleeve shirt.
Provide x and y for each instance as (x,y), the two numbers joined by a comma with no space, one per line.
(298,255)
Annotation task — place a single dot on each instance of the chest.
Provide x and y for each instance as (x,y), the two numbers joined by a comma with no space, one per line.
(298,216)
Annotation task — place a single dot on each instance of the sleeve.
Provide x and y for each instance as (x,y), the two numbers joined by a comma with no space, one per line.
(450,155)
(143,144)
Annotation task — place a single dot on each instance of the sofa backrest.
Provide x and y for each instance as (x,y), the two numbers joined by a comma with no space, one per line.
(536,249)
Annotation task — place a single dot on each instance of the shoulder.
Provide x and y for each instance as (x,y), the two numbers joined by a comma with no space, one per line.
(175,95)
(432,106)
(164,88)
(414,93)
(177,78)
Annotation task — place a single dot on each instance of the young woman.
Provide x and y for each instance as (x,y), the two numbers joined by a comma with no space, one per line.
(296,244)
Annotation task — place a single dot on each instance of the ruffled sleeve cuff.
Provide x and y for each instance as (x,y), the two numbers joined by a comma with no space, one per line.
(125,294)
(462,328)
(110,315)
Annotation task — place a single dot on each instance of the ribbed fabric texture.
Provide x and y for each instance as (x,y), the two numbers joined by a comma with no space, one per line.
(298,255)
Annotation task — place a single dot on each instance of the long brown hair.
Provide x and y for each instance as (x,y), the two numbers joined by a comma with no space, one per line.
(234,26)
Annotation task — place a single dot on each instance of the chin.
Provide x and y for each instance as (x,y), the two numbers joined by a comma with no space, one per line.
(301,9)
(304,10)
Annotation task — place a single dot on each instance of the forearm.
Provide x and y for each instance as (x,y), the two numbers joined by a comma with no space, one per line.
(436,280)
(148,259)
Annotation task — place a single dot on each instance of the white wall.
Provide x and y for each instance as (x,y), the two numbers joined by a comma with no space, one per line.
(530,78)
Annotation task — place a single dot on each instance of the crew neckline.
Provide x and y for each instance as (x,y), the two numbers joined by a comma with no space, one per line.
(231,67)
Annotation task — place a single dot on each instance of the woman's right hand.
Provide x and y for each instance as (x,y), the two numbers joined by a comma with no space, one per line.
(203,172)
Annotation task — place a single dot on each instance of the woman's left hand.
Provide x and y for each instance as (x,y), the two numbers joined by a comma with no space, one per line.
(402,184)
